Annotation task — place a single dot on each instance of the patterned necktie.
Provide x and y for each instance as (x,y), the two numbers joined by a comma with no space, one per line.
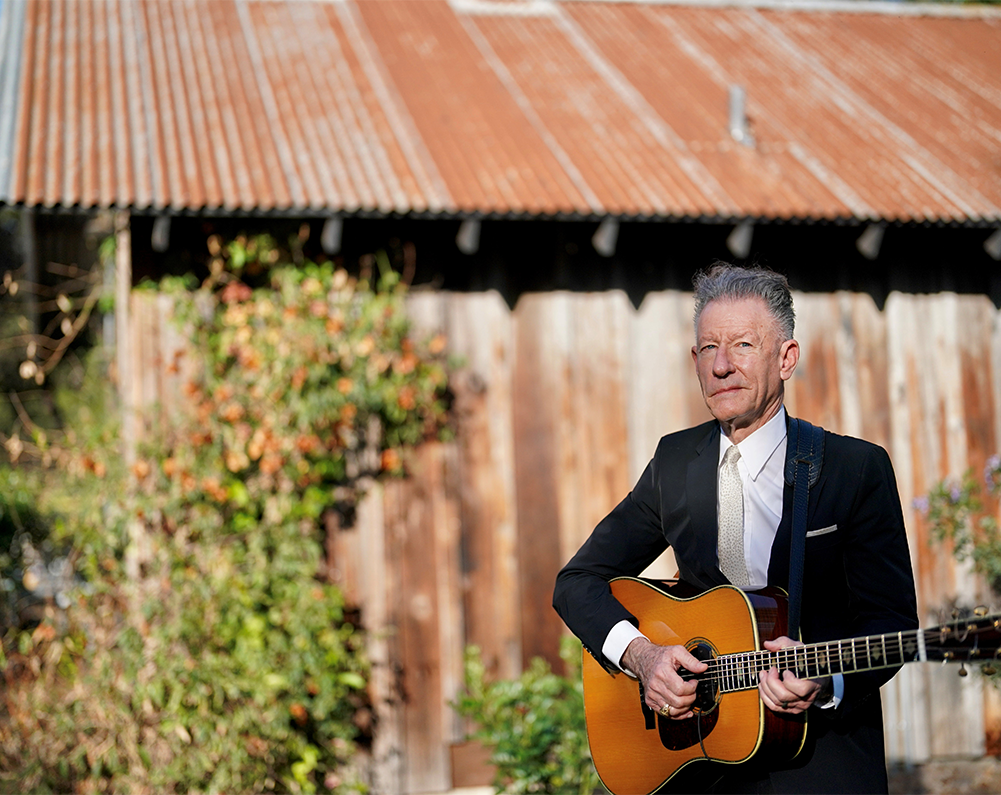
(731,520)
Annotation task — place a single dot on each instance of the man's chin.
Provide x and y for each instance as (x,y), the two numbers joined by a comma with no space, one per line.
(725,410)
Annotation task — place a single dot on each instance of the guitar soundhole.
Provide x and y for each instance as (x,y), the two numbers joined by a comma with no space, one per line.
(677,735)
(707,694)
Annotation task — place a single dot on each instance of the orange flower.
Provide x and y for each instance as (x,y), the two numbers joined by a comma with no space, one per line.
(234,292)
(140,469)
(345,385)
(236,460)
(214,489)
(231,412)
(169,467)
(318,308)
(249,358)
(406,399)
(406,363)
(307,443)
(391,460)
(271,463)
(437,344)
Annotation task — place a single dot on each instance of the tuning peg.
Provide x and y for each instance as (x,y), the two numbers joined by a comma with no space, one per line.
(989,670)
(955,612)
(980,611)
(962,669)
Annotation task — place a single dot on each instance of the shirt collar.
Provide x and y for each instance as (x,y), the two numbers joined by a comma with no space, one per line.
(757,448)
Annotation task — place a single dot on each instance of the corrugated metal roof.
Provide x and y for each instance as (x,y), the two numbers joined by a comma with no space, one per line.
(502,107)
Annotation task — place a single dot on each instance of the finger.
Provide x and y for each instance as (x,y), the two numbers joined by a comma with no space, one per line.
(781,643)
(775,692)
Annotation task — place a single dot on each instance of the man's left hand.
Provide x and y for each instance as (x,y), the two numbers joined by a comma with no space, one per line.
(783,691)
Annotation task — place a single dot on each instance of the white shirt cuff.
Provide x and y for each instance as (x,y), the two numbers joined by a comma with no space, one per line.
(618,639)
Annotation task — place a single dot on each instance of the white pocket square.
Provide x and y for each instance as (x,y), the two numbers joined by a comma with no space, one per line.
(821,531)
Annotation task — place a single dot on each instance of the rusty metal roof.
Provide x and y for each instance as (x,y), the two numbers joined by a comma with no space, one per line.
(503,108)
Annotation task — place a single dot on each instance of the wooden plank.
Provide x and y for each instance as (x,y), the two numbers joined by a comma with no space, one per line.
(479,328)
(593,435)
(868,331)
(412,533)
(539,398)
(664,394)
(908,730)
(378,596)
(813,391)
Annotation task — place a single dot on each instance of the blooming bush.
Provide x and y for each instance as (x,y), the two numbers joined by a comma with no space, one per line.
(207,651)
(956,512)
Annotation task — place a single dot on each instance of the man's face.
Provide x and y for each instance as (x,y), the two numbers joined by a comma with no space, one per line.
(742,363)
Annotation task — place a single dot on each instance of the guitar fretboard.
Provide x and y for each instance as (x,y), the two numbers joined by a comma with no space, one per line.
(733,672)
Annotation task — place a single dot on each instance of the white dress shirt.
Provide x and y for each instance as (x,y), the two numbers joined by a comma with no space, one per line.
(761,467)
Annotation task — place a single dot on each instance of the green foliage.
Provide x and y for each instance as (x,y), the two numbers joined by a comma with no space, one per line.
(956,514)
(534,725)
(208,652)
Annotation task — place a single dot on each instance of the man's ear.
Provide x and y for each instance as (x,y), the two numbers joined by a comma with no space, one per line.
(788,358)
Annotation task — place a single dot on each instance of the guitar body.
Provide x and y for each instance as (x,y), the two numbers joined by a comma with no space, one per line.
(635,750)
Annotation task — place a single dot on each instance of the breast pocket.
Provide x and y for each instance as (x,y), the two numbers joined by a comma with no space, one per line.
(822,538)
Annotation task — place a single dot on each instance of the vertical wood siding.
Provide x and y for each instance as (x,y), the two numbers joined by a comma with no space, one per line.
(559,404)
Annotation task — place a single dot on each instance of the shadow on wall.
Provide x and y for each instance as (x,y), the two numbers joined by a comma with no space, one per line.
(516,257)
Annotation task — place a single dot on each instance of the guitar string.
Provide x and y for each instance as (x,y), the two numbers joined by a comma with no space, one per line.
(892,649)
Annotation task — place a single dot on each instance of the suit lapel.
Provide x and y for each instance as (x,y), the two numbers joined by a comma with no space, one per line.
(778,564)
(701,490)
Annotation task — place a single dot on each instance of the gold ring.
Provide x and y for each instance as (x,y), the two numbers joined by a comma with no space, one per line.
(666,711)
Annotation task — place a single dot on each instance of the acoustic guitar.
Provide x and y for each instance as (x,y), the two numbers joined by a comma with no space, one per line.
(637,751)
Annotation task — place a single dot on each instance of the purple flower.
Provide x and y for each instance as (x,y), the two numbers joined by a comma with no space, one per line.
(955,493)
(991,471)
(921,504)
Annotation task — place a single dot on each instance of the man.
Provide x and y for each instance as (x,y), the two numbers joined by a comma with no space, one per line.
(857,575)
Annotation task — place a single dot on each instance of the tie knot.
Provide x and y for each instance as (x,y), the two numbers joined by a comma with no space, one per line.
(731,455)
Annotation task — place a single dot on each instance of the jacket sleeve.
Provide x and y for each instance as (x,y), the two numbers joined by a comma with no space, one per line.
(877,568)
(623,544)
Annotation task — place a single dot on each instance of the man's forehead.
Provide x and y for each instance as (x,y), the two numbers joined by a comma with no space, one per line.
(749,314)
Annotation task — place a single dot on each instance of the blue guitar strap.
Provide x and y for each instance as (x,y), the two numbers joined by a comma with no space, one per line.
(802,471)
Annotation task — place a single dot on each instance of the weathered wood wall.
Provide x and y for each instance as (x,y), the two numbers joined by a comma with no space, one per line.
(560,403)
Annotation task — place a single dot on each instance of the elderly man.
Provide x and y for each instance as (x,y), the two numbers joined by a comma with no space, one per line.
(857,577)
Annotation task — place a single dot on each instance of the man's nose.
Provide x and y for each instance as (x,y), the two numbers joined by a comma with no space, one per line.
(721,363)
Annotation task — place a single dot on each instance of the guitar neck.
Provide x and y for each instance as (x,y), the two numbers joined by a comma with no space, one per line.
(734,672)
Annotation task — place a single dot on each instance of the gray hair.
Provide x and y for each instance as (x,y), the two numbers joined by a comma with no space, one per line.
(733,282)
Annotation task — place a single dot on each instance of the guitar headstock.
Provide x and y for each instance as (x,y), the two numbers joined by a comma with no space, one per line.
(975,638)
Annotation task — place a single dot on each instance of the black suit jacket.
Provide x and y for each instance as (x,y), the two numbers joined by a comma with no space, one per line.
(856,580)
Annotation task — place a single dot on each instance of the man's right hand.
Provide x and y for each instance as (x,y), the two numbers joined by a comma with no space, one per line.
(657,668)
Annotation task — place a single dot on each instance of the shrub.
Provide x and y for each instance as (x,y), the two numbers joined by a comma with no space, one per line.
(956,514)
(207,652)
(534,725)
